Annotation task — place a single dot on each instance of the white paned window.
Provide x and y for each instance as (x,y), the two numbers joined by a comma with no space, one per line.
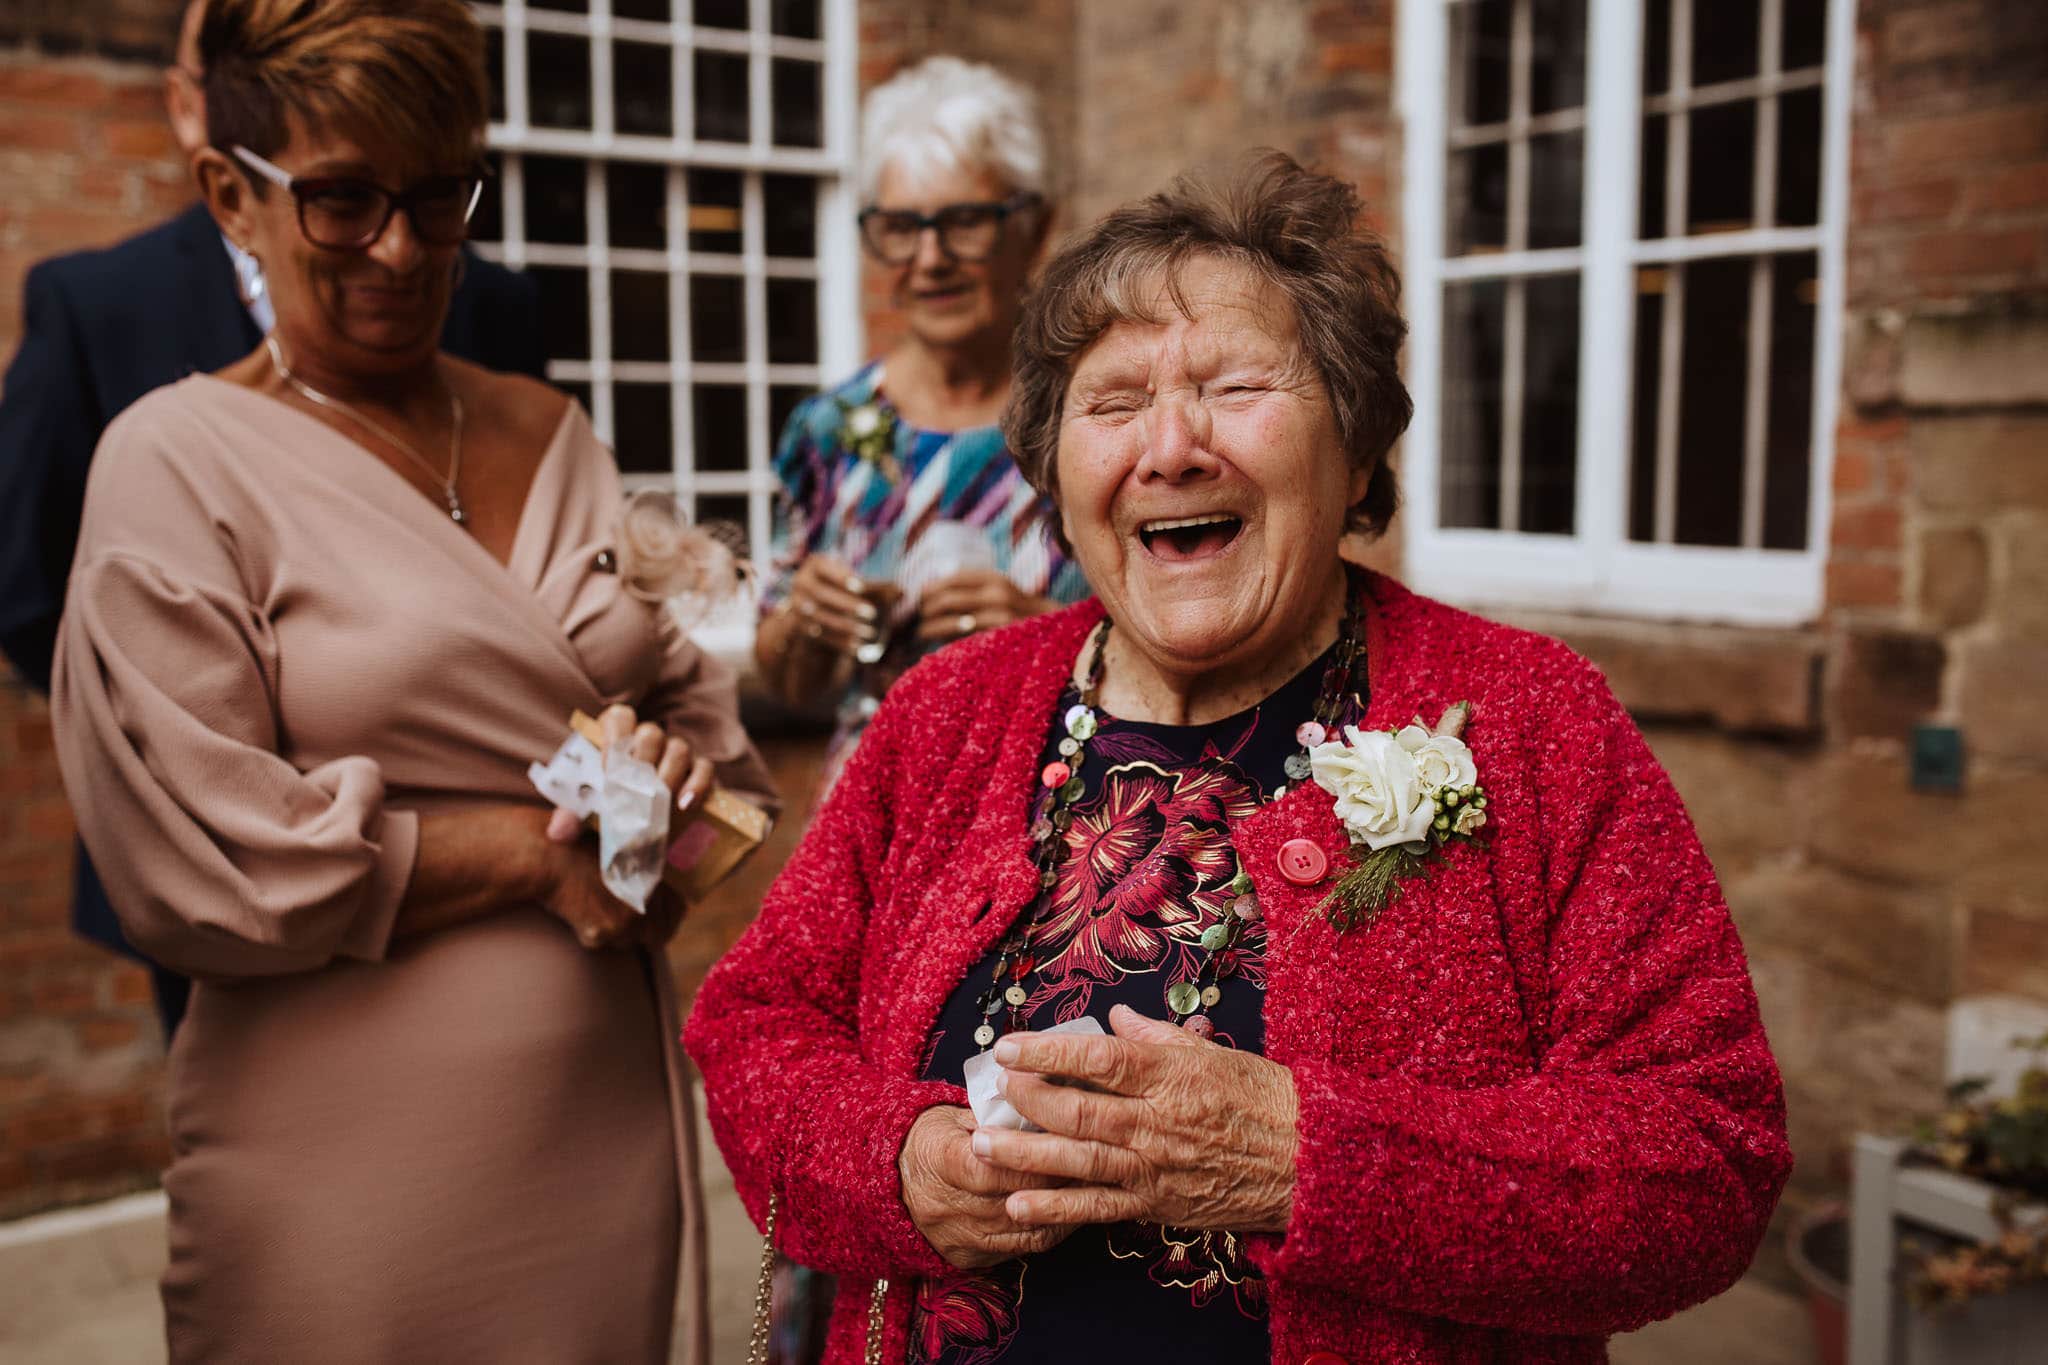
(1623,230)
(676,175)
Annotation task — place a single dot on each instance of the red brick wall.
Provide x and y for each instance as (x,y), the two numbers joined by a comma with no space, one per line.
(1948,215)
(123,30)
(86,159)
(79,1056)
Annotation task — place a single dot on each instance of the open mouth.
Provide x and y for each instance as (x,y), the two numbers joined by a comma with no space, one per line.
(1186,538)
(380,296)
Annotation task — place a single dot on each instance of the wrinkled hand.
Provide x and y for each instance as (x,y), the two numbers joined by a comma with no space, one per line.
(601,920)
(956,1199)
(832,607)
(1183,1131)
(976,599)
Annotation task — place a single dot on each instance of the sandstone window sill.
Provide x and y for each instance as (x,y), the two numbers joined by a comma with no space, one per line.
(1736,678)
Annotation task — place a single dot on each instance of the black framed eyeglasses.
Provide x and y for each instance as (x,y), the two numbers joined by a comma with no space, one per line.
(967,232)
(348,213)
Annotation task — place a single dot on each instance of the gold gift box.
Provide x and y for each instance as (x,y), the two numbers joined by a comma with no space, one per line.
(715,836)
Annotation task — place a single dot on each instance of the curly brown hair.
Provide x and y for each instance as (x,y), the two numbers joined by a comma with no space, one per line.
(407,75)
(1298,229)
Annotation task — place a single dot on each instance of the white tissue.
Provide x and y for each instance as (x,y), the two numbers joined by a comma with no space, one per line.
(992,1110)
(630,804)
(632,828)
(572,778)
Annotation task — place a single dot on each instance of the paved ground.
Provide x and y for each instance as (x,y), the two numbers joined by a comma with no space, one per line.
(80,1289)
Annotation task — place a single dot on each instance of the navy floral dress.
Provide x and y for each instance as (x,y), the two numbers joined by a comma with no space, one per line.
(1148,868)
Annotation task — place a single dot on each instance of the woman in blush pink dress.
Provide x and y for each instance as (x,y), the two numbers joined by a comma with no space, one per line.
(328,605)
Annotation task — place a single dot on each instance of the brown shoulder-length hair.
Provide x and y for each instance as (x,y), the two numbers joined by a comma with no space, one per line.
(1301,231)
(407,75)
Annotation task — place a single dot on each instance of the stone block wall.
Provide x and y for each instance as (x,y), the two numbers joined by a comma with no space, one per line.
(1947,417)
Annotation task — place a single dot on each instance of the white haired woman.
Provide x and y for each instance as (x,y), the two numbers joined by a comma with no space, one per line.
(903,523)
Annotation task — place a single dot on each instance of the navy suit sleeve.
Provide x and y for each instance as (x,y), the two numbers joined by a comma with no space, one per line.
(494,320)
(525,352)
(49,425)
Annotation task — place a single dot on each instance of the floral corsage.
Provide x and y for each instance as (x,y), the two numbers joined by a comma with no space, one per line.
(1403,795)
(869,431)
(663,558)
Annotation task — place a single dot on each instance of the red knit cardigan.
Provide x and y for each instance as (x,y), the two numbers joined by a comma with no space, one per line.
(1537,1105)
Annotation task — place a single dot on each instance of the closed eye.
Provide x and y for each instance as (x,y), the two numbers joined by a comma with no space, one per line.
(1113,404)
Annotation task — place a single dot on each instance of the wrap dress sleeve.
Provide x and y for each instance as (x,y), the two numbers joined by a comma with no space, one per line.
(222,859)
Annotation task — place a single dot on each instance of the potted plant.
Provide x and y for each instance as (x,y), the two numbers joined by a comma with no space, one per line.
(1986,1300)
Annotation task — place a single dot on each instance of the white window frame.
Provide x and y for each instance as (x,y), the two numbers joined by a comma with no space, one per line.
(1597,568)
(836,266)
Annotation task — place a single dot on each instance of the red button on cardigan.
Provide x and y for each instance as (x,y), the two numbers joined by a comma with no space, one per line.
(1303,862)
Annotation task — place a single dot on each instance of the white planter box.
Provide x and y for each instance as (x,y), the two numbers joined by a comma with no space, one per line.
(2011,1329)
(1884,1329)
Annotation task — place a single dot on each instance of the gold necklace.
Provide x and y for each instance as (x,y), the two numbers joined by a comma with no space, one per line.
(448,493)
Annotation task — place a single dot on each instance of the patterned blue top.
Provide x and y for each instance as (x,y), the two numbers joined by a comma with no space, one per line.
(872,515)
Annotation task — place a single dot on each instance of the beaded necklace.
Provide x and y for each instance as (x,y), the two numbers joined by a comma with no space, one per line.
(1187,1001)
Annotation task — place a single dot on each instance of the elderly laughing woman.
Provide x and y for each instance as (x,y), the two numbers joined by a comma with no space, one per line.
(1427,1039)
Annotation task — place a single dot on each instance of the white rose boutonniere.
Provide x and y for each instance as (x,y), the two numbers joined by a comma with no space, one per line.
(868,430)
(1403,795)
(1379,791)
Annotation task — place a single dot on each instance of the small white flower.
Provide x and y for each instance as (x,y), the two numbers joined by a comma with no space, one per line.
(1469,820)
(863,421)
(1443,762)
(662,557)
(1380,796)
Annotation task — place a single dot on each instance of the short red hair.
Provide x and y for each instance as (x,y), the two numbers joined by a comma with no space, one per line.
(402,75)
